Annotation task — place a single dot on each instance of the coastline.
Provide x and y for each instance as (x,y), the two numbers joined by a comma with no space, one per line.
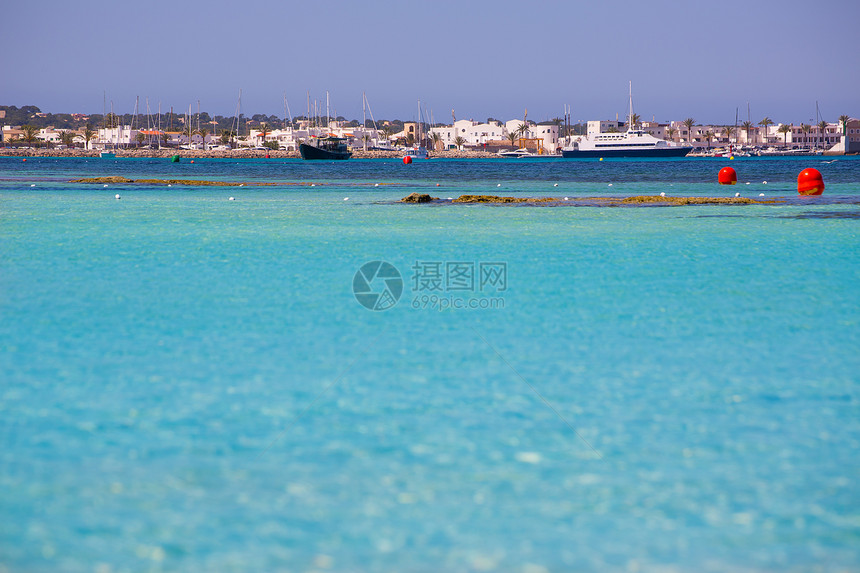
(235,154)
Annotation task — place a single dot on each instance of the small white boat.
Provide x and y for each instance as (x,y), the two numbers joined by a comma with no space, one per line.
(416,152)
(521,152)
(107,154)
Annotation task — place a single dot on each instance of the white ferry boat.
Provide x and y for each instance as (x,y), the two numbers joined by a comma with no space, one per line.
(633,143)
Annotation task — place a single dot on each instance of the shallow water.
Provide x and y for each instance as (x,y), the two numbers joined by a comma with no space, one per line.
(189,383)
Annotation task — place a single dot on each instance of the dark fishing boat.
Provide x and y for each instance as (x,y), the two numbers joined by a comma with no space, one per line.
(328,147)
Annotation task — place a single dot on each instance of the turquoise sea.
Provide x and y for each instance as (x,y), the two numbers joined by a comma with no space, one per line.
(189,383)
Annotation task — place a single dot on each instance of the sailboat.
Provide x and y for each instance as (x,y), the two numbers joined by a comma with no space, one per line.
(417,151)
(633,143)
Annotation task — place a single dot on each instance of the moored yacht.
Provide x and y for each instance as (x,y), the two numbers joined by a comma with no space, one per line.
(633,143)
(329,147)
(521,152)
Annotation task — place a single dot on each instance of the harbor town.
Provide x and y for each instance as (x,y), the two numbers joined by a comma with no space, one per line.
(197,134)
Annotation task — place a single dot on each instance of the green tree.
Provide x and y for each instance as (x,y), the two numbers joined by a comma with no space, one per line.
(689,123)
(822,131)
(67,138)
(636,119)
(523,130)
(264,130)
(728,131)
(765,123)
(670,132)
(459,142)
(747,126)
(784,129)
(709,135)
(226,136)
(140,137)
(513,136)
(29,133)
(111,120)
(436,138)
(89,135)
(844,119)
(805,129)
(202,132)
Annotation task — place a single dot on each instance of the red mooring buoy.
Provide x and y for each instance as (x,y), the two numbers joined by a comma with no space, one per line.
(810,182)
(727,176)
(407,160)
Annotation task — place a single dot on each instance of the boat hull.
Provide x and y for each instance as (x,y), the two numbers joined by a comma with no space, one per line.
(653,152)
(312,152)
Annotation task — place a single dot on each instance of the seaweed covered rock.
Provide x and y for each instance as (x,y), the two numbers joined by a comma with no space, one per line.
(418,198)
(488,199)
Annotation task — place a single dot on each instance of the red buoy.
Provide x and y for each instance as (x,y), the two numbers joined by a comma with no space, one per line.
(267,156)
(727,176)
(407,160)
(810,182)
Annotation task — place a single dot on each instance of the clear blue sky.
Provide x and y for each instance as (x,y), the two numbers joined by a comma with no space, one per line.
(482,58)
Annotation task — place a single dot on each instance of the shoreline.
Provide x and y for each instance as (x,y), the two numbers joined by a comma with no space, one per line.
(236,154)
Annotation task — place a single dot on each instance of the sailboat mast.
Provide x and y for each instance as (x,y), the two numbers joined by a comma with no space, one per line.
(630,111)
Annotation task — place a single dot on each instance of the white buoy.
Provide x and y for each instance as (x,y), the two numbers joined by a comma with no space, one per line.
(376,185)
(313,184)
(555,184)
(761,194)
(117,196)
(748,182)
(346,198)
(610,184)
(498,185)
(737,194)
(662,194)
(231,199)
(241,184)
(764,182)
(566,199)
(169,185)
(105,184)
(33,185)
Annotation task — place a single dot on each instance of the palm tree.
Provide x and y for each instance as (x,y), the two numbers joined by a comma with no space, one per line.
(728,131)
(30,132)
(264,131)
(202,132)
(822,129)
(635,119)
(67,138)
(226,136)
(459,141)
(671,131)
(513,135)
(805,129)
(784,130)
(436,138)
(523,130)
(765,123)
(689,123)
(747,126)
(844,119)
(89,135)
(709,135)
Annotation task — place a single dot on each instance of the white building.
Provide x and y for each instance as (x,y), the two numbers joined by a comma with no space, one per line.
(479,135)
